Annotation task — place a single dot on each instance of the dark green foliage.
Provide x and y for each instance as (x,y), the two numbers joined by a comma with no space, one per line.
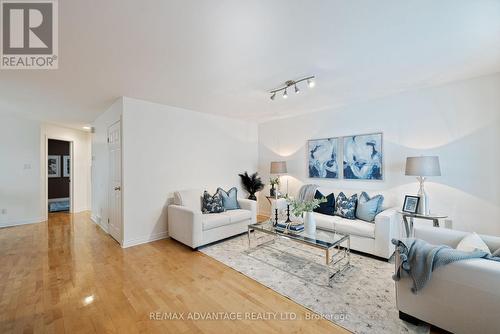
(251,183)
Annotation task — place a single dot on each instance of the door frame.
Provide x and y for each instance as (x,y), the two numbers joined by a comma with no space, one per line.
(46,173)
(109,182)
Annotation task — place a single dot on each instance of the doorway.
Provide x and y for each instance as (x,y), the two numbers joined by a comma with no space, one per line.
(115,223)
(59,175)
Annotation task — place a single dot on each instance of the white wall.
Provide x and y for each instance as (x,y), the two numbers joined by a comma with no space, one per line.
(20,184)
(23,169)
(167,149)
(459,122)
(81,176)
(100,162)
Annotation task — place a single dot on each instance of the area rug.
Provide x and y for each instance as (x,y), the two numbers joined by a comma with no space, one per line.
(361,299)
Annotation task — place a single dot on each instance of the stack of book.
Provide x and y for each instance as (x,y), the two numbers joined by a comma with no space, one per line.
(294,227)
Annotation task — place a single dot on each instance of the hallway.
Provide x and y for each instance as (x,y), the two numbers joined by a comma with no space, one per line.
(67,275)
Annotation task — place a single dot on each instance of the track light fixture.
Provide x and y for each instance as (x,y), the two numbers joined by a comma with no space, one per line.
(310,83)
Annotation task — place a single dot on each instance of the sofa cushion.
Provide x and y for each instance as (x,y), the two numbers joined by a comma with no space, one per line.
(214,220)
(367,207)
(355,227)
(327,208)
(189,198)
(212,204)
(346,207)
(238,215)
(229,198)
(324,221)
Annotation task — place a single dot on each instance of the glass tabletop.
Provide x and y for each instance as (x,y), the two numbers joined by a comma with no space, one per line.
(321,239)
(419,215)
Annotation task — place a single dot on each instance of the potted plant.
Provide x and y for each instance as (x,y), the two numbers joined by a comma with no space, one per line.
(274,181)
(252,184)
(305,209)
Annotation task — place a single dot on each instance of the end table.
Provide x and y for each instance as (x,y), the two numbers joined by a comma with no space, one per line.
(409,217)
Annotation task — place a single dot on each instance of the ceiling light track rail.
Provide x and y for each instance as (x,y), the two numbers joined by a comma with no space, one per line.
(290,83)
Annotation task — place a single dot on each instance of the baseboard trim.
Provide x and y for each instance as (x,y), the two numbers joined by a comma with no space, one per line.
(98,221)
(145,239)
(23,222)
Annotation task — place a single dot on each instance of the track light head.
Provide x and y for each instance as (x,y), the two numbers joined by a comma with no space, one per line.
(297,89)
(311,83)
(273,96)
(285,94)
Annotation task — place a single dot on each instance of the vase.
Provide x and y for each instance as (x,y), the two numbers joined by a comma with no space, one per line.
(309,223)
(272,191)
(252,197)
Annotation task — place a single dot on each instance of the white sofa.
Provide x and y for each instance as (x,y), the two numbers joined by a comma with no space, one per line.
(187,224)
(461,297)
(372,238)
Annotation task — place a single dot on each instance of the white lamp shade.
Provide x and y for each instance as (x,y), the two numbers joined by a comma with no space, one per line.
(423,166)
(278,167)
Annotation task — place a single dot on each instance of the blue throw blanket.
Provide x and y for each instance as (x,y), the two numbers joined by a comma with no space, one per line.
(419,259)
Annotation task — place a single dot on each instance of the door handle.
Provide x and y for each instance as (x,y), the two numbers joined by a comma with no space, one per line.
(118,188)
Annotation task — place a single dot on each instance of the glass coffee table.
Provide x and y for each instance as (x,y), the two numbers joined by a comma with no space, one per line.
(336,245)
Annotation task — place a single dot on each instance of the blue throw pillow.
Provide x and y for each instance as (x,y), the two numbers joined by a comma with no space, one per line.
(229,198)
(346,207)
(327,208)
(212,204)
(368,207)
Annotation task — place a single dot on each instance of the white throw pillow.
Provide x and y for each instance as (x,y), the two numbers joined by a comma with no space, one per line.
(471,242)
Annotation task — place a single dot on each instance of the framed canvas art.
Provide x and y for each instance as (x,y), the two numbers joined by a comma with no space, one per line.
(363,157)
(66,166)
(54,166)
(322,158)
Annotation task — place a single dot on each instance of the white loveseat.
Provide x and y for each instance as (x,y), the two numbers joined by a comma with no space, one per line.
(368,237)
(461,297)
(187,224)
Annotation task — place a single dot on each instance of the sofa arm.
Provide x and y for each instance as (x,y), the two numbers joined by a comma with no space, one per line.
(386,228)
(185,225)
(453,296)
(250,205)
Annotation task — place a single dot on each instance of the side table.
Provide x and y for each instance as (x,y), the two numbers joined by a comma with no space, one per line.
(409,217)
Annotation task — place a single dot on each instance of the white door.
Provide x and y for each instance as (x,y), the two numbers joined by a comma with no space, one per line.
(115,182)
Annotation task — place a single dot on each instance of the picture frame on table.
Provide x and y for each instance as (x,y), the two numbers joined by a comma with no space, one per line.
(410,204)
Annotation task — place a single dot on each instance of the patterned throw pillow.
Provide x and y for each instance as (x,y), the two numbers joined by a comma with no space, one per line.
(212,204)
(346,207)
(327,208)
(229,198)
(368,208)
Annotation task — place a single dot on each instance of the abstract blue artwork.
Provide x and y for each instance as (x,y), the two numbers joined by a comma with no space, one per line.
(363,157)
(322,155)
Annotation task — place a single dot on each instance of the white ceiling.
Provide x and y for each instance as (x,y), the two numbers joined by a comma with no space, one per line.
(222,57)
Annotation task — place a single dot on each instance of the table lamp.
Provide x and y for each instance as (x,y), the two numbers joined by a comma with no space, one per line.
(422,167)
(279,167)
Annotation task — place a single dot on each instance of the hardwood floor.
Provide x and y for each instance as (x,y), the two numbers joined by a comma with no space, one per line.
(67,275)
